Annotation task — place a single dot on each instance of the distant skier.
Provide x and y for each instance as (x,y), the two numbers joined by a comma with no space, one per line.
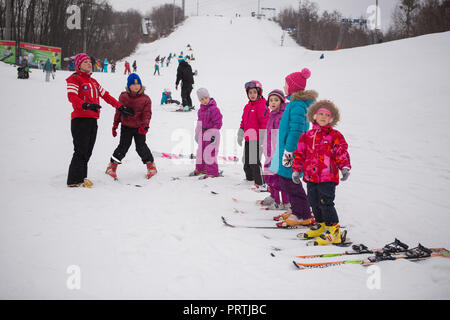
(156,69)
(321,153)
(54,62)
(127,68)
(134,66)
(133,127)
(48,69)
(185,75)
(292,125)
(277,103)
(84,93)
(105,65)
(207,136)
(253,125)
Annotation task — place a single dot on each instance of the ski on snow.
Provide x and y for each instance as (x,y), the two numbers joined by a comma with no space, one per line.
(225,222)
(414,254)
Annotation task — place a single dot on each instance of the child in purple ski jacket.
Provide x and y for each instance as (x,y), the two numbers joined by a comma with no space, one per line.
(207,135)
(276,102)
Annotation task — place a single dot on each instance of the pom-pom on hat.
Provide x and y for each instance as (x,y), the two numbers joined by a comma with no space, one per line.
(79,58)
(133,79)
(297,81)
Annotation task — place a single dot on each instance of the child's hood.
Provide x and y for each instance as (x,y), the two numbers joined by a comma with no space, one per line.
(304,95)
(324,104)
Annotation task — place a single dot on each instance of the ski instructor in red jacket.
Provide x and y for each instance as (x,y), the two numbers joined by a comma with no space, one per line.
(84,92)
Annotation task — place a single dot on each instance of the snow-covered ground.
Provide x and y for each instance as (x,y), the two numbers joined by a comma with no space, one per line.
(166,239)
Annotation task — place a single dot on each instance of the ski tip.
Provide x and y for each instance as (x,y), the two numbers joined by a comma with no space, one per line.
(297,265)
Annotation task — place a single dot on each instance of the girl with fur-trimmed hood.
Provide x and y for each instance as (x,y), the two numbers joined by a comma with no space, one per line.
(292,125)
(133,127)
(321,153)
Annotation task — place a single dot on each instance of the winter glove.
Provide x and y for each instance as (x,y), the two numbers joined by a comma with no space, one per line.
(345,173)
(296,177)
(126,111)
(91,106)
(143,130)
(288,159)
(114,129)
(240,136)
(213,140)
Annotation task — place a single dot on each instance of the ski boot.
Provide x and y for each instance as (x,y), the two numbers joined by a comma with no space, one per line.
(283,216)
(260,188)
(332,235)
(266,202)
(111,169)
(85,184)
(293,222)
(315,231)
(196,173)
(151,170)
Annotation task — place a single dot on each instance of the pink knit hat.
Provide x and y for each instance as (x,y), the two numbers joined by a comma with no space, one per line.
(79,58)
(297,81)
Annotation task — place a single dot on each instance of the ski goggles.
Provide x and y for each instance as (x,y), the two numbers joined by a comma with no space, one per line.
(251,85)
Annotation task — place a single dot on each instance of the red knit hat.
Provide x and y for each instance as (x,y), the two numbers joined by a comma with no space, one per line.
(79,58)
(297,81)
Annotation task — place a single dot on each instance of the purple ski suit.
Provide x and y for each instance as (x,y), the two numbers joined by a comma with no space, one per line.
(270,142)
(207,134)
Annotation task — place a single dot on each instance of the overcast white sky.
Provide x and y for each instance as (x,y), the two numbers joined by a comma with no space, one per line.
(350,8)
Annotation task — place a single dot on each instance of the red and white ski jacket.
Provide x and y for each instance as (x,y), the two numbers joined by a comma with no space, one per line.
(82,88)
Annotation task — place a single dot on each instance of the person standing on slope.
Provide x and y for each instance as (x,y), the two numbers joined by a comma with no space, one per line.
(127,68)
(321,153)
(207,136)
(276,101)
(252,128)
(185,75)
(84,93)
(133,127)
(292,125)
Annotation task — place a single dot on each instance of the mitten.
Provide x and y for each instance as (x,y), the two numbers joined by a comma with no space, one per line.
(288,159)
(91,106)
(126,111)
(114,129)
(345,173)
(240,136)
(143,130)
(296,177)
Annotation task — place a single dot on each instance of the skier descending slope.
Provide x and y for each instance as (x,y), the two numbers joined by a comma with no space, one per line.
(321,153)
(133,127)
(84,93)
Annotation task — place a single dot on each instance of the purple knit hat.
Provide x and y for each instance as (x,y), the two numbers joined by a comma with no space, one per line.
(297,80)
(277,93)
(79,58)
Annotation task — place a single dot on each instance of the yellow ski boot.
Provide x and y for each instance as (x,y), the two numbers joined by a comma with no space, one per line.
(314,232)
(331,236)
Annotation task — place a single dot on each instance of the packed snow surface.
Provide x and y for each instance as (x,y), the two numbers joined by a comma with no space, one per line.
(166,240)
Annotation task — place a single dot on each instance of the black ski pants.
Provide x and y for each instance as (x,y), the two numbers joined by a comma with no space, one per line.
(321,199)
(252,163)
(127,135)
(84,133)
(186,95)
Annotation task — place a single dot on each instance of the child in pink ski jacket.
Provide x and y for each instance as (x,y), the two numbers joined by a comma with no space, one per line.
(277,103)
(207,135)
(253,124)
(321,153)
